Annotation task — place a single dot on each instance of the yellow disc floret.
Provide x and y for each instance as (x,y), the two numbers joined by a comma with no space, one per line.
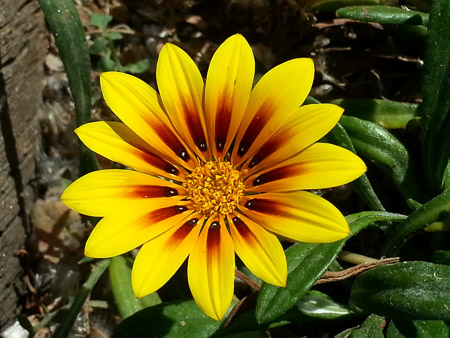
(215,188)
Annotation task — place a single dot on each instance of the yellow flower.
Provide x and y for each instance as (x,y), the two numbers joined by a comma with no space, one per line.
(218,167)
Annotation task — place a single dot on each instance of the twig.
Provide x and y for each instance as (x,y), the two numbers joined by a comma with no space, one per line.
(330,276)
(115,30)
(250,282)
(336,276)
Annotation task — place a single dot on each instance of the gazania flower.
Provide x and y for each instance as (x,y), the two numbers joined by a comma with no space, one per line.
(218,168)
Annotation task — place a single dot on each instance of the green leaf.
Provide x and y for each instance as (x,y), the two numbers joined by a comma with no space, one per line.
(246,322)
(98,47)
(68,31)
(371,327)
(417,34)
(388,114)
(377,144)
(113,36)
(306,264)
(120,277)
(318,305)
(413,204)
(346,333)
(138,67)
(100,21)
(436,98)
(106,64)
(362,186)
(65,327)
(171,319)
(408,290)
(393,332)
(400,328)
(428,213)
(313,306)
(333,5)
(65,24)
(441,257)
(383,15)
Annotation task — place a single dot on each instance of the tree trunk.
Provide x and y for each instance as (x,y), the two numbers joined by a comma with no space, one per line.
(22,51)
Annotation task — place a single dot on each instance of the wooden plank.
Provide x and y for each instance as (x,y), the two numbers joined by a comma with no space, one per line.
(10,271)
(22,50)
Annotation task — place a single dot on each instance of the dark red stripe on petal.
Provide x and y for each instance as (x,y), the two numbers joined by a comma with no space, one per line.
(183,231)
(158,162)
(276,174)
(143,152)
(222,123)
(268,148)
(171,141)
(165,213)
(213,241)
(256,125)
(243,230)
(152,191)
(195,127)
(265,206)
(171,169)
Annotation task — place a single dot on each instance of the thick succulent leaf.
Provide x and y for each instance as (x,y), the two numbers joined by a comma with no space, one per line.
(338,135)
(441,257)
(436,97)
(313,306)
(383,15)
(371,327)
(68,31)
(431,211)
(306,264)
(318,305)
(170,319)
(388,114)
(120,278)
(404,328)
(361,185)
(377,144)
(407,290)
(65,24)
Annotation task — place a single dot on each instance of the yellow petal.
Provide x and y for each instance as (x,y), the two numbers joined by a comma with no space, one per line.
(161,257)
(320,166)
(104,192)
(211,269)
(301,216)
(273,100)
(181,87)
(117,142)
(227,91)
(260,250)
(127,229)
(308,125)
(137,105)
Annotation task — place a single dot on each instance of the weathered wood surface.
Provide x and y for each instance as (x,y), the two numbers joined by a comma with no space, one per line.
(22,51)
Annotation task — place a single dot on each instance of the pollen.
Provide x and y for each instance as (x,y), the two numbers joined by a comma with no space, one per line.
(215,188)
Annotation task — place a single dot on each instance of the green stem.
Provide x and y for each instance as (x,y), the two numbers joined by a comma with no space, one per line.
(355,258)
(65,24)
(64,328)
(430,212)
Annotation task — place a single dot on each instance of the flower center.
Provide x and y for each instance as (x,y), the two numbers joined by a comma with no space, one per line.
(215,188)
